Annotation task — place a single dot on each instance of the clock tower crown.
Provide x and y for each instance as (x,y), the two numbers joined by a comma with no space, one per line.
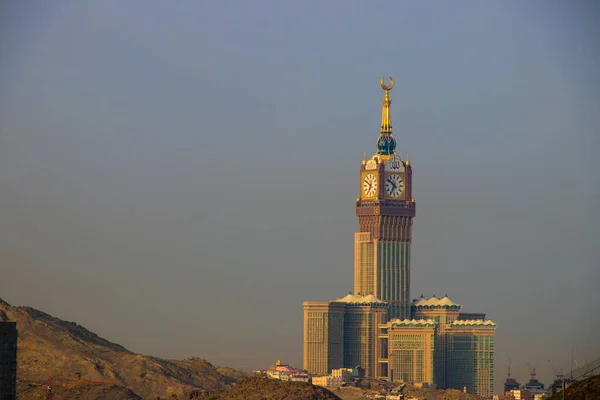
(386,179)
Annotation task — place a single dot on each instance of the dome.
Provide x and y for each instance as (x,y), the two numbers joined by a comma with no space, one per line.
(433,301)
(358,299)
(474,322)
(386,144)
(413,322)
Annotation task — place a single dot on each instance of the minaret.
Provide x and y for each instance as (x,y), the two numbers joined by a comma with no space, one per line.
(385,210)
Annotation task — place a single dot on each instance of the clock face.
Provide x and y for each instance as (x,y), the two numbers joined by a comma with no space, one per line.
(394,185)
(370,185)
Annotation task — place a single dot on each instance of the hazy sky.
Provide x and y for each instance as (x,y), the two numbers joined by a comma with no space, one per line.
(178,176)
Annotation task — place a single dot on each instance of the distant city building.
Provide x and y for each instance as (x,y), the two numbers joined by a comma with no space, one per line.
(426,342)
(300,378)
(286,373)
(535,387)
(8,360)
(337,377)
(345,373)
(327,381)
(520,394)
(511,384)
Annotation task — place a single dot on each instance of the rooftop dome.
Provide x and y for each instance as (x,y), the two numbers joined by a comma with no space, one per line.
(358,299)
(474,322)
(433,301)
(413,322)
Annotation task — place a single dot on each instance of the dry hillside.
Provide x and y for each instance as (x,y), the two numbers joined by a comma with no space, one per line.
(49,345)
(587,389)
(259,388)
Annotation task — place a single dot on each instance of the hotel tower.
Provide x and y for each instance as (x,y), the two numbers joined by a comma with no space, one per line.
(385,210)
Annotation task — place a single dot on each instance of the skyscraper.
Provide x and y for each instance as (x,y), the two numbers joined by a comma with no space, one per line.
(323,336)
(377,328)
(410,350)
(342,332)
(385,210)
(470,356)
(363,316)
(444,311)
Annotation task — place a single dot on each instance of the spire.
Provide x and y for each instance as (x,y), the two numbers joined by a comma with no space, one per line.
(386,115)
(386,144)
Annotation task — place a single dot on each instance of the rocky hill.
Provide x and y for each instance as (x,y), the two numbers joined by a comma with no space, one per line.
(587,389)
(68,351)
(259,388)
(114,392)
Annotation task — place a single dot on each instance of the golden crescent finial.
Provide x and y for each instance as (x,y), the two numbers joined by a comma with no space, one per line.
(384,86)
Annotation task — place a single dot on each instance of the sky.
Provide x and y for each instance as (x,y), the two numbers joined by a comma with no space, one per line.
(179,176)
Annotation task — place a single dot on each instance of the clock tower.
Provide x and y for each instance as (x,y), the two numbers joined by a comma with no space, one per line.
(385,210)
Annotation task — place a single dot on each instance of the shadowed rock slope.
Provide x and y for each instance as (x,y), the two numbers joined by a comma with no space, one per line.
(109,392)
(49,345)
(587,389)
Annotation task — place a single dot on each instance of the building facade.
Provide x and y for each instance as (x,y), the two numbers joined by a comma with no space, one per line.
(342,333)
(470,356)
(378,328)
(323,336)
(8,360)
(363,316)
(327,381)
(410,348)
(443,311)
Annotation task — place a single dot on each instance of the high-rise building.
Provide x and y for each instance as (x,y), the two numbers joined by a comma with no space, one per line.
(8,360)
(342,332)
(457,342)
(323,336)
(363,316)
(410,348)
(438,347)
(443,311)
(428,341)
(385,210)
(470,356)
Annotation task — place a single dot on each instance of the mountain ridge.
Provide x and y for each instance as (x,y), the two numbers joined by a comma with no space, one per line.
(70,352)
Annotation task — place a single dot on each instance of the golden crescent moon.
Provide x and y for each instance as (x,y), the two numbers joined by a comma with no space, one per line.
(386,87)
